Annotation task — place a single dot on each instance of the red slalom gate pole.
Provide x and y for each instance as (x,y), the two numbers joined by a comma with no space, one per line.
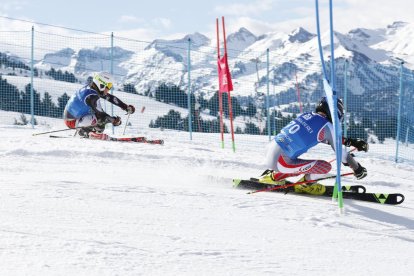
(231,122)
(228,92)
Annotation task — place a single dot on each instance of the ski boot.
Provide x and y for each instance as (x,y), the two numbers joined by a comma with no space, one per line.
(97,132)
(93,133)
(98,136)
(84,132)
(99,127)
(311,188)
(268,178)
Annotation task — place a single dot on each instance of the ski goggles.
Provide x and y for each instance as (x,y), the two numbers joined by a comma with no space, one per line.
(108,85)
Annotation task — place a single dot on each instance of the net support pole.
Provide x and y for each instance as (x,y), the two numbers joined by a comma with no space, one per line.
(268,92)
(220,96)
(32,120)
(112,73)
(397,140)
(190,121)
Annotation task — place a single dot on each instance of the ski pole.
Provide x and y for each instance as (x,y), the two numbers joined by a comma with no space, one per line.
(126,123)
(348,151)
(66,129)
(297,183)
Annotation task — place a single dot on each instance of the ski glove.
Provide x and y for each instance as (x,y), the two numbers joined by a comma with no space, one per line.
(116,121)
(360,172)
(359,144)
(130,109)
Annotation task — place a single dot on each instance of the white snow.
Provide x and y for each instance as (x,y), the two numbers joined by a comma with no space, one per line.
(81,207)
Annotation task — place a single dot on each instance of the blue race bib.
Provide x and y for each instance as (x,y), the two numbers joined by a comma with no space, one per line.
(301,134)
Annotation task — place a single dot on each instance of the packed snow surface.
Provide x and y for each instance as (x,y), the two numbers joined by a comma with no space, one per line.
(81,207)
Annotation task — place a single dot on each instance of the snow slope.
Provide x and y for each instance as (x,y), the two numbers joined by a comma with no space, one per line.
(81,207)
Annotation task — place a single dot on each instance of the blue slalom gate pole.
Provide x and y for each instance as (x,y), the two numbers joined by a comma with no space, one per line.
(331,96)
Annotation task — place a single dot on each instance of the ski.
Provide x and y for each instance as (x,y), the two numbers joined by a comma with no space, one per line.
(141,139)
(355,192)
(392,199)
(137,140)
(255,185)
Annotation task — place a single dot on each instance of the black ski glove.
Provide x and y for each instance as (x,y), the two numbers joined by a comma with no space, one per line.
(360,172)
(116,121)
(359,144)
(130,109)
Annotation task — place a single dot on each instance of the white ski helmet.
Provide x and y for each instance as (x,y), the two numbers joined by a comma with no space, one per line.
(103,80)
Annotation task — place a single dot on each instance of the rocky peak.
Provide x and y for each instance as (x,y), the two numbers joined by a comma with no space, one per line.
(300,35)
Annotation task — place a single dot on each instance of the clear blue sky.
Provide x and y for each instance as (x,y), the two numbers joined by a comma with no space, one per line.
(151,19)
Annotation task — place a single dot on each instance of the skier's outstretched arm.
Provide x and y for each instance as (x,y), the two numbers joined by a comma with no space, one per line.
(347,158)
(102,116)
(116,101)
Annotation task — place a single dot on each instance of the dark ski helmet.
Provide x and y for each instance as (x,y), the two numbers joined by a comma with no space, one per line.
(323,107)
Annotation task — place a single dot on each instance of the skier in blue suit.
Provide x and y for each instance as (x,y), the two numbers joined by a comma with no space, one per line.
(296,138)
(84,111)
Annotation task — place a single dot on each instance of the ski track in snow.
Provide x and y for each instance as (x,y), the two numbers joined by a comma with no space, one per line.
(73,206)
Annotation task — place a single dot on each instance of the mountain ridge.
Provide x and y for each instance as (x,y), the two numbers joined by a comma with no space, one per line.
(373,55)
(375,44)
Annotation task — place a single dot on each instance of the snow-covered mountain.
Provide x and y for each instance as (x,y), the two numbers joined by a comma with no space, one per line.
(300,35)
(84,61)
(167,60)
(373,56)
(240,40)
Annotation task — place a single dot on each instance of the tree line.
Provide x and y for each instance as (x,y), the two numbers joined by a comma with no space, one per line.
(359,127)
(20,101)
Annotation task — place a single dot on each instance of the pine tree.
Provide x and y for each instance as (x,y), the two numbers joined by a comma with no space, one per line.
(47,107)
(10,96)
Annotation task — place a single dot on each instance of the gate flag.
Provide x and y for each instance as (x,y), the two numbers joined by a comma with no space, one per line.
(225,83)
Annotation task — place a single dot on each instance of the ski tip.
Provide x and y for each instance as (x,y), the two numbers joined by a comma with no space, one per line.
(399,201)
(236,182)
(57,136)
(156,142)
(392,199)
